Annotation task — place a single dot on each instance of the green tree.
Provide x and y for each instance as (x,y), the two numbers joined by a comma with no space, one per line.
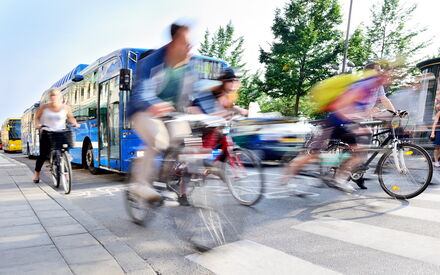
(222,45)
(307,43)
(359,48)
(387,31)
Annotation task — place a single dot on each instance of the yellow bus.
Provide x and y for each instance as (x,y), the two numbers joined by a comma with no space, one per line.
(11,135)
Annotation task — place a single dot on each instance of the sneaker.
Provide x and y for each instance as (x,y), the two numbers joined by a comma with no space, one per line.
(344,186)
(361,183)
(183,200)
(436,164)
(146,192)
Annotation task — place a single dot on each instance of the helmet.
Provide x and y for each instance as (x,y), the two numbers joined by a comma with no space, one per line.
(230,73)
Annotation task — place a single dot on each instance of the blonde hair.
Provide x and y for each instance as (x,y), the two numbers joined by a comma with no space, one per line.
(54,91)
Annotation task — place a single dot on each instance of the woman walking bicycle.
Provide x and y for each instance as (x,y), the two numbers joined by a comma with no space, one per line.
(51,117)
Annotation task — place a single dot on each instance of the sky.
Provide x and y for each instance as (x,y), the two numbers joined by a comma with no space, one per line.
(42,40)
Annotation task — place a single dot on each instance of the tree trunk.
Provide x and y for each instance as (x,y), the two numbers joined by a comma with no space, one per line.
(296,109)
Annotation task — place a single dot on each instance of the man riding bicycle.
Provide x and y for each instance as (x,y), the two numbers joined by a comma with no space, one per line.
(165,81)
(345,110)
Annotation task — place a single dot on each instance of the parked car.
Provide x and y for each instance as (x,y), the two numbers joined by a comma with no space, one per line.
(271,138)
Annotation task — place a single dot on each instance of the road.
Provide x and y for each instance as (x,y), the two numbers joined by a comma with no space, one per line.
(330,232)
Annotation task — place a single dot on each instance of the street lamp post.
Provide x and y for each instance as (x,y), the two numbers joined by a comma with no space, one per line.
(346,38)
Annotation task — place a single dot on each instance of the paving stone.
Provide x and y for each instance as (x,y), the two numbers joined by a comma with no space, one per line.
(74,241)
(22,206)
(21,230)
(51,213)
(46,268)
(103,267)
(86,220)
(85,254)
(10,222)
(45,205)
(30,255)
(47,222)
(63,230)
(24,240)
(16,214)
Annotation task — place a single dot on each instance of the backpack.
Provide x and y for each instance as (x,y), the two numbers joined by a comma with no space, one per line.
(325,92)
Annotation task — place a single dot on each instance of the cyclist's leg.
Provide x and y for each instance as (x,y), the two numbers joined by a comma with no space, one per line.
(44,152)
(317,144)
(343,173)
(154,133)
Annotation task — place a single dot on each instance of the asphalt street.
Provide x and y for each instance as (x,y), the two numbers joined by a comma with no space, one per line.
(330,232)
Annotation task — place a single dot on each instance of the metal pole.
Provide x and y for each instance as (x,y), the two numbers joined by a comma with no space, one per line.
(346,38)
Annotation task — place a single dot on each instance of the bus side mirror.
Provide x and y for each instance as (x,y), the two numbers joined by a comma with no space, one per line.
(125,80)
(77,78)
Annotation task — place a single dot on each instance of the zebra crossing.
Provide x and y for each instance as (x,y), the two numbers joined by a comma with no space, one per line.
(406,245)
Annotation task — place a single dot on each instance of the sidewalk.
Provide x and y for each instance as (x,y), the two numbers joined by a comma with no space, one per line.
(41,232)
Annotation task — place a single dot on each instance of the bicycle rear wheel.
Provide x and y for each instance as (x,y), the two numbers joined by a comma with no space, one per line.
(410,176)
(55,168)
(66,173)
(244,177)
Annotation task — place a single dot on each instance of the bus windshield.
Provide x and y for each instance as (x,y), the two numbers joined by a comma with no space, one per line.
(14,129)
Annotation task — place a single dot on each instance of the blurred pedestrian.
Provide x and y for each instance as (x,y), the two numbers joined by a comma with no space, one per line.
(435,136)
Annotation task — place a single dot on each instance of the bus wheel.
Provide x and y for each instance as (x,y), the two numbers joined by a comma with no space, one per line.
(89,160)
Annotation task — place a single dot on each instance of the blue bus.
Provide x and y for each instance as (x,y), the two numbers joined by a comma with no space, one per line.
(30,141)
(98,94)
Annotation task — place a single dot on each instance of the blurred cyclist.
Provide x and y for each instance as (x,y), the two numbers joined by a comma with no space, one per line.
(222,97)
(51,117)
(165,81)
(345,110)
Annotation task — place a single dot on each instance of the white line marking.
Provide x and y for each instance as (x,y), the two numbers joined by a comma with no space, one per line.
(410,245)
(247,257)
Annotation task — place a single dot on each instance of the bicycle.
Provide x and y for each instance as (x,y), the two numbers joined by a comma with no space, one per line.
(186,170)
(60,166)
(411,162)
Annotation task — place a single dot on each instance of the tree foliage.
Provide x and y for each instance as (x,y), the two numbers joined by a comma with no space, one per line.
(387,32)
(307,42)
(222,45)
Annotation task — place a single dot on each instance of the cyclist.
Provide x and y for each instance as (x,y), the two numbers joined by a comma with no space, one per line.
(222,97)
(219,100)
(165,81)
(51,117)
(344,110)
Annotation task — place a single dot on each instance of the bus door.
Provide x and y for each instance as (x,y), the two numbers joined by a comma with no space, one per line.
(109,128)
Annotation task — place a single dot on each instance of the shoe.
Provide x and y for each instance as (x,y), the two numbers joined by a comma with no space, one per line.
(361,183)
(146,192)
(436,164)
(37,181)
(344,186)
(183,200)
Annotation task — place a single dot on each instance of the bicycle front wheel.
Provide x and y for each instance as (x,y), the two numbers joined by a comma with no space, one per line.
(55,169)
(66,173)
(405,173)
(244,177)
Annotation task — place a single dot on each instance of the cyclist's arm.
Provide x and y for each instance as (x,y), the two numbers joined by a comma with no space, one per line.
(434,125)
(38,116)
(70,118)
(386,103)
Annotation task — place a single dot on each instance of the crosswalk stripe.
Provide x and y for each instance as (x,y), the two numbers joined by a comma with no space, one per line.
(428,196)
(410,245)
(407,211)
(247,257)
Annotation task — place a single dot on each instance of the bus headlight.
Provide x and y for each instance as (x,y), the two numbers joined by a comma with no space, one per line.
(139,154)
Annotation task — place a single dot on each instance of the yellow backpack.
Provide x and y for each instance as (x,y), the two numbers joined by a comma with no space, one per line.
(325,92)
